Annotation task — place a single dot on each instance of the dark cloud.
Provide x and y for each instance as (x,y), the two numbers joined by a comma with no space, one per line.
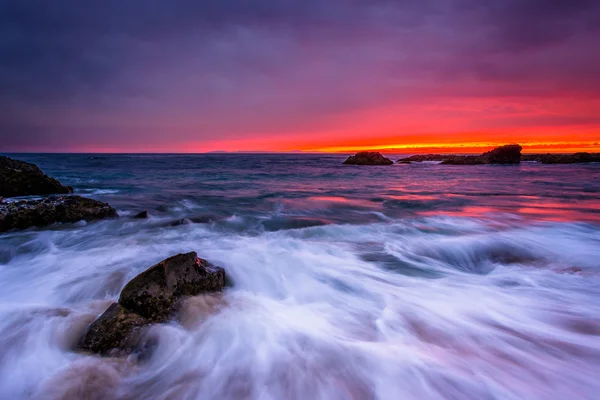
(69,66)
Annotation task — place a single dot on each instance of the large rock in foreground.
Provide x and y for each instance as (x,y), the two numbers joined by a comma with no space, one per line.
(153,293)
(27,213)
(151,297)
(368,158)
(117,331)
(18,178)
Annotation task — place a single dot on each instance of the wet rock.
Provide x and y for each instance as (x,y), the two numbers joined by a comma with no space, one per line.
(368,158)
(65,209)
(141,215)
(118,331)
(153,296)
(508,154)
(153,293)
(18,178)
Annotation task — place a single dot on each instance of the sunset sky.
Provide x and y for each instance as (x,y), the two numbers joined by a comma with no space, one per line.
(302,75)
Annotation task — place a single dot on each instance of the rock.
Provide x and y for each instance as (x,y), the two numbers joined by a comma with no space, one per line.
(141,215)
(117,331)
(18,178)
(65,209)
(576,158)
(424,157)
(508,154)
(151,297)
(368,158)
(153,293)
(465,160)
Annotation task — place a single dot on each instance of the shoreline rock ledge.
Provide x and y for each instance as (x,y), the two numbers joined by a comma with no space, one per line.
(152,297)
(368,158)
(19,178)
(53,209)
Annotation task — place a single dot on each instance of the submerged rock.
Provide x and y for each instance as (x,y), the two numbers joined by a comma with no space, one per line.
(141,215)
(151,297)
(18,178)
(368,158)
(27,213)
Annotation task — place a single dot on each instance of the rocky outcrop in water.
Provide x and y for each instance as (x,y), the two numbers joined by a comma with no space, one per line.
(151,297)
(464,160)
(368,158)
(575,158)
(508,154)
(141,215)
(424,157)
(18,178)
(64,209)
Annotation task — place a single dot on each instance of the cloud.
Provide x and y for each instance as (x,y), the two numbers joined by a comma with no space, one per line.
(213,69)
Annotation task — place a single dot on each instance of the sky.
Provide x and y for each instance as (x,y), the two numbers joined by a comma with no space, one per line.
(291,75)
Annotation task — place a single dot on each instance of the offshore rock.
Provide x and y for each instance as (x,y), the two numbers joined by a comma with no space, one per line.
(464,160)
(508,154)
(27,213)
(368,158)
(575,158)
(151,297)
(18,178)
(141,215)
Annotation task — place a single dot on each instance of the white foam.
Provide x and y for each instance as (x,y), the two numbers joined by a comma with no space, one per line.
(511,312)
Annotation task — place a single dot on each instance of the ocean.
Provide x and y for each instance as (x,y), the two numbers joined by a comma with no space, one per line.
(418,281)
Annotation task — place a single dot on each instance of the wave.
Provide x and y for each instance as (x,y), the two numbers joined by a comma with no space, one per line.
(427,308)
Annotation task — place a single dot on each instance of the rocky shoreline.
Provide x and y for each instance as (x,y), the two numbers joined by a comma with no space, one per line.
(18,178)
(50,210)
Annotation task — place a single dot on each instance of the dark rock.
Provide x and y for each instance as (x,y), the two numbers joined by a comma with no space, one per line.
(117,331)
(425,157)
(153,293)
(181,221)
(368,158)
(576,158)
(151,297)
(141,215)
(465,160)
(508,154)
(18,178)
(27,213)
